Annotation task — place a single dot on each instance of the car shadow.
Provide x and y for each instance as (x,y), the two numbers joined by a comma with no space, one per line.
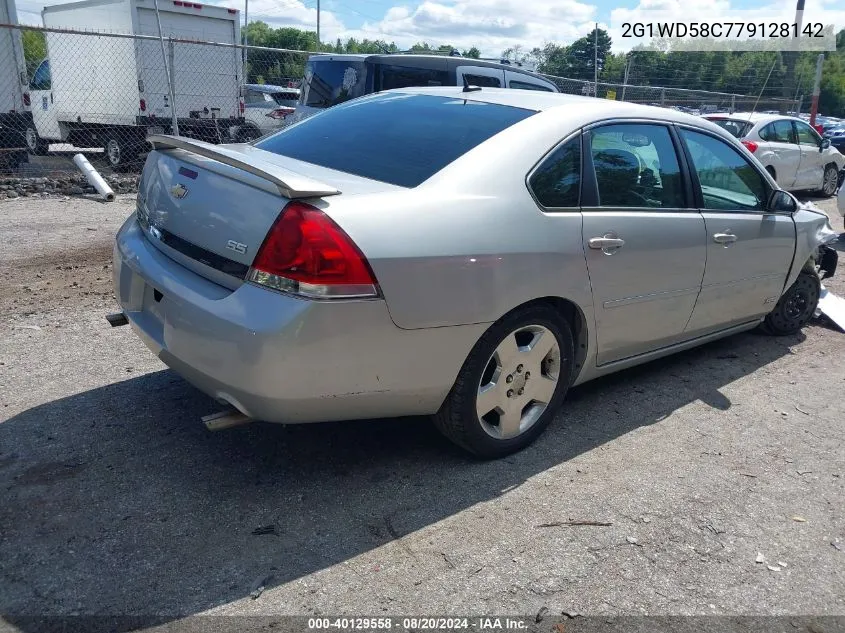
(118,501)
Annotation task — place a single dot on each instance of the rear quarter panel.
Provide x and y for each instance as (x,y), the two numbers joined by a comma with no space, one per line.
(470,244)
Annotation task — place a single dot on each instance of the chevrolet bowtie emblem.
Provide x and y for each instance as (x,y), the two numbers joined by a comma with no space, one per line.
(178,191)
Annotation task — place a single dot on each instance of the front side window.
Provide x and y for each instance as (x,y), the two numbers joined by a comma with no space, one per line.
(404,77)
(41,77)
(807,135)
(636,166)
(728,181)
(401,139)
(557,181)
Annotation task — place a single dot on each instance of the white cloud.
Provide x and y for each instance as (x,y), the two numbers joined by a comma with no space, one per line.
(491,25)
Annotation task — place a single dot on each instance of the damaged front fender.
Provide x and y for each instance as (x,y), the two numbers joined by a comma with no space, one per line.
(813,235)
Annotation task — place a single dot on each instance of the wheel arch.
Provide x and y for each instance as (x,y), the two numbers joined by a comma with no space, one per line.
(574,317)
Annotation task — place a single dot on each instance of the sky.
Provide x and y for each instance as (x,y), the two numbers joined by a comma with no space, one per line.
(490,25)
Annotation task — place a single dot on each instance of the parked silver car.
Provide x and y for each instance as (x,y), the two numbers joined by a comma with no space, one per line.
(469,254)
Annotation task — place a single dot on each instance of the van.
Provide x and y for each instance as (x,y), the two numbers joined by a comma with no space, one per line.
(333,79)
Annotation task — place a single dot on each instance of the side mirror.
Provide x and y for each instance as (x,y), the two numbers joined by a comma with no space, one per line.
(782,202)
(825,144)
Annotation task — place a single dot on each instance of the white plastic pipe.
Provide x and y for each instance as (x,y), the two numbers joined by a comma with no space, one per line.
(93,177)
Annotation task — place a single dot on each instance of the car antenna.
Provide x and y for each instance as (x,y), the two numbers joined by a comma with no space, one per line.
(468,87)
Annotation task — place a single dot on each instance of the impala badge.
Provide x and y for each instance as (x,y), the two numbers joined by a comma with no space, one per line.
(178,191)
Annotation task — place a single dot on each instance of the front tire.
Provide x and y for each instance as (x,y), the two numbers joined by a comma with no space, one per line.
(511,385)
(36,145)
(830,181)
(795,308)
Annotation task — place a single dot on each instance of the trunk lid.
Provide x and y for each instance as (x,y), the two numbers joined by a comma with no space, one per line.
(211,206)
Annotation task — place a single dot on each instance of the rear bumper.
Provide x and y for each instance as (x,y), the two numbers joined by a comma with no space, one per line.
(278,358)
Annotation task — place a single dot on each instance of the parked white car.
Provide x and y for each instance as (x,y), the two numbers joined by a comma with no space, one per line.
(267,109)
(790,149)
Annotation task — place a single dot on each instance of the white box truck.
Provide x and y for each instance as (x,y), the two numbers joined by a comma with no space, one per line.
(111,92)
(14,117)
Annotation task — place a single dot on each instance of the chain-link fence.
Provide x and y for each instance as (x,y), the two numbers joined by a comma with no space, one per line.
(695,101)
(103,93)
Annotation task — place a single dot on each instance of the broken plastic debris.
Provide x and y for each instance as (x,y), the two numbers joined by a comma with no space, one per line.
(772,568)
(799,519)
(631,540)
(832,307)
(760,558)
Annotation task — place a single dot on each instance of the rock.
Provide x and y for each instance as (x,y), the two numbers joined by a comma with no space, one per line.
(760,558)
(11,194)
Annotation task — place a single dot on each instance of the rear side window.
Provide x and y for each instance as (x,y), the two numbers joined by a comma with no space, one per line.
(557,181)
(778,132)
(401,139)
(636,166)
(483,81)
(524,85)
(329,82)
(403,77)
(738,129)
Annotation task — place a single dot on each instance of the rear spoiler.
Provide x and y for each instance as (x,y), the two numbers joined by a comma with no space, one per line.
(291,185)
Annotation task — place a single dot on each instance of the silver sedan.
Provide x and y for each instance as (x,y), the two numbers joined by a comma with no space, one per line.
(468,253)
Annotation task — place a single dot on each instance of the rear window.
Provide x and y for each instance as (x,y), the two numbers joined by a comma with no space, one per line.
(400,139)
(738,129)
(288,99)
(327,83)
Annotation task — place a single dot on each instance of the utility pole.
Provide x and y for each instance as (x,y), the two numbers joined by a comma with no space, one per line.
(173,119)
(791,57)
(596,61)
(627,72)
(318,25)
(817,88)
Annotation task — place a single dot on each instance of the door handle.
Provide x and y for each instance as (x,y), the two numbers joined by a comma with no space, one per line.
(608,244)
(724,238)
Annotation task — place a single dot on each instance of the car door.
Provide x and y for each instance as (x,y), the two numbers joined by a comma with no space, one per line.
(780,151)
(643,241)
(749,250)
(811,169)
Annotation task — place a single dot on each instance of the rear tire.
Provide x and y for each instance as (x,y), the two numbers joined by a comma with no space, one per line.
(36,145)
(795,308)
(519,371)
(120,151)
(247,133)
(830,181)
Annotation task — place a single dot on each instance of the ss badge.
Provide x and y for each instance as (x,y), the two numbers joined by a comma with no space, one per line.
(232,245)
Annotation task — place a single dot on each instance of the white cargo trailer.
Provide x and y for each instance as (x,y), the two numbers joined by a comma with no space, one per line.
(111,92)
(13,112)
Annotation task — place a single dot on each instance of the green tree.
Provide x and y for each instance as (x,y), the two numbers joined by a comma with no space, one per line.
(34,49)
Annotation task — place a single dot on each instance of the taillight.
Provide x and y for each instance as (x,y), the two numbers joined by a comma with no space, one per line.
(143,105)
(26,100)
(751,145)
(307,254)
(280,113)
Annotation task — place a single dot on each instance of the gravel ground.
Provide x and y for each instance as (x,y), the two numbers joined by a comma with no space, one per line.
(116,500)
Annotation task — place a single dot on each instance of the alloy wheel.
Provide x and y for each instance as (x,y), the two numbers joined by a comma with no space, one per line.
(518,382)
